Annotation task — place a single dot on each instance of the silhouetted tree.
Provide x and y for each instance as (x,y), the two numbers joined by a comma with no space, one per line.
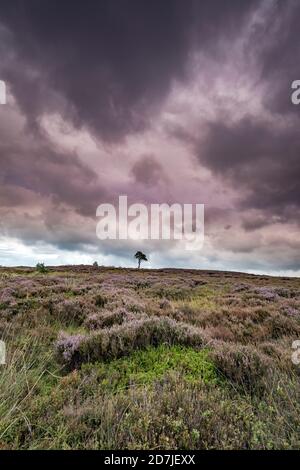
(140,256)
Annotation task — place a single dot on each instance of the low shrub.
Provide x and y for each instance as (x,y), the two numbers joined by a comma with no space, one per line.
(41,268)
(165,304)
(105,319)
(279,325)
(68,311)
(246,367)
(100,301)
(121,340)
(267,293)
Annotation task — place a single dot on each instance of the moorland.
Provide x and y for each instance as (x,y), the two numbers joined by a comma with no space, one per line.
(111,358)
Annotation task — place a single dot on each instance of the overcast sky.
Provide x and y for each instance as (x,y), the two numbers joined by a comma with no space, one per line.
(165,101)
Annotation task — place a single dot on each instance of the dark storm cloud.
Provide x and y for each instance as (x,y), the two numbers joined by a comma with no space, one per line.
(49,173)
(277,48)
(111,60)
(261,159)
(187,69)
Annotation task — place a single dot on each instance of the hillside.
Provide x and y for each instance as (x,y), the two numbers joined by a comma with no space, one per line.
(108,358)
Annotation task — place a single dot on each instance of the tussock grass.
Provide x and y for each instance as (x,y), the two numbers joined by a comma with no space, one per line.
(28,364)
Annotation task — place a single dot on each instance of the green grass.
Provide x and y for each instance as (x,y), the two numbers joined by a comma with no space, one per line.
(201,298)
(146,366)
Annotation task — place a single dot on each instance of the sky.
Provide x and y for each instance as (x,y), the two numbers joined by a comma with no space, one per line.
(173,101)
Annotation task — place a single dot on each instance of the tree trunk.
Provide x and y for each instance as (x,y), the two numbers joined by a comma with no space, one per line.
(139,264)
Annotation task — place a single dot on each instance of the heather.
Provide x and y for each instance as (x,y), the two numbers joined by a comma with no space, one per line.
(117,341)
(101,358)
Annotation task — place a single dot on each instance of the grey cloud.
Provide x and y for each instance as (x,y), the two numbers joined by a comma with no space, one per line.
(260,160)
(276,45)
(46,172)
(112,61)
(108,66)
(147,171)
